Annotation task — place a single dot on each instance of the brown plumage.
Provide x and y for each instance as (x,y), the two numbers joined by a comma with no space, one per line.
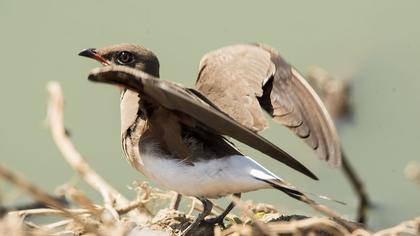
(176,135)
(191,109)
(244,80)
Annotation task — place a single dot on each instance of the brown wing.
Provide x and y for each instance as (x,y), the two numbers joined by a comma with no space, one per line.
(176,98)
(242,80)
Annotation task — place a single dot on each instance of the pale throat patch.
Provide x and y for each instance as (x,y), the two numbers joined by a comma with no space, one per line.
(129,106)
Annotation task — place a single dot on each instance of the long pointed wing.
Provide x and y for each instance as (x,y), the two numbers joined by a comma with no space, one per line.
(244,80)
(177,98)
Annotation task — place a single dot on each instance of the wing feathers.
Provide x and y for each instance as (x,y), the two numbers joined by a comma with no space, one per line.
(325,129)
(230,76)
(178,99)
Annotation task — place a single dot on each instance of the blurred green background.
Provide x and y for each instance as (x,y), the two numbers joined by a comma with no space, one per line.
(374,42)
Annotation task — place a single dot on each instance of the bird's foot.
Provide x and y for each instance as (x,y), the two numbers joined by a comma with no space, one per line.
(189,229)
(207,205)
(216,220)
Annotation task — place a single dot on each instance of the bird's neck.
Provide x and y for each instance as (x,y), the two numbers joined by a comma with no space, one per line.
(132,128)
(129,107)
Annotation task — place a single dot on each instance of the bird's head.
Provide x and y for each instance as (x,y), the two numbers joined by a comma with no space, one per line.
(130,55)
(124,64)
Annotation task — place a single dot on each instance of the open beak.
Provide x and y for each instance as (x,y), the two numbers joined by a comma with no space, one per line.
(91,53)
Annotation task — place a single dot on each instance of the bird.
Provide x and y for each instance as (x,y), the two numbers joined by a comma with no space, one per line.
(181,137)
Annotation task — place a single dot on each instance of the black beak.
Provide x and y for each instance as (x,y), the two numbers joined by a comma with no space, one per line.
(90,53)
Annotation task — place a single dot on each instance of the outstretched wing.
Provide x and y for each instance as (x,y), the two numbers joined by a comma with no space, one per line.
(244,80)
(179,99)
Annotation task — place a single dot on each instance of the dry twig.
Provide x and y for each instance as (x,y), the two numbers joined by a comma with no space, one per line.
(87,216)
(261,226)
(42,196)
(358,187)
(336,95)
(75,159)
(412,172)
(406,227)
(310,224)
(48,211)
(66,147)
(83,201)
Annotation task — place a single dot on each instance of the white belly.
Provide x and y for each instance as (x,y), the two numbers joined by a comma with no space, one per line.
(208,178)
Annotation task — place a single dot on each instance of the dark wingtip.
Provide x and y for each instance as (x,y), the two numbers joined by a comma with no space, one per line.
(302,169)
(313,176)
(296,165)
(93,78)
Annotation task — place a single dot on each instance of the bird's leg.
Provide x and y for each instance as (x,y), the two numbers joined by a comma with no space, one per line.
(207,206)
(219,219)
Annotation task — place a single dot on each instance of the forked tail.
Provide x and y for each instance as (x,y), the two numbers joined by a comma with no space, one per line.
(301,196)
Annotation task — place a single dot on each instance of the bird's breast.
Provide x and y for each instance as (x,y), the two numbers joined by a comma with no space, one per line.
(208,177)
(214,173)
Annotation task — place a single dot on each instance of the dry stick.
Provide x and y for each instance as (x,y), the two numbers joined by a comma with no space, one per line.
(83,201)
(58,224)
(131,206)
(358,188)
(335,95)
(175,201)
(193,202)
(73,157)
(309,224)
(233,230)
(48,211)
(406,227)
(356,184)
(260,225)
(328,212)
(32,205)
(412,172)
(64,232)
(140,202)
(32,225)
(340,225)
(55,118)
(43,197)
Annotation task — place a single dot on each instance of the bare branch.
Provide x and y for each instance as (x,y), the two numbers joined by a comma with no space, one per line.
(261,226)
(74,158)
(412,172)
(310,224)
(335,93)
(48,211)
(42,196)
(406,227)
(83,201)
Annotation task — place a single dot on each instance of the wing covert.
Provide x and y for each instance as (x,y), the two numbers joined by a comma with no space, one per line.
(244,80)
(179,99)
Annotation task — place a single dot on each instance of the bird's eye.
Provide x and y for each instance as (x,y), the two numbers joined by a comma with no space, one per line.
(125,58)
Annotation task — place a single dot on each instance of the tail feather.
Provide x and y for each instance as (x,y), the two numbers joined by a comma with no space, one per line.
(287,189)
(301,196)
(296,194)
(262,174)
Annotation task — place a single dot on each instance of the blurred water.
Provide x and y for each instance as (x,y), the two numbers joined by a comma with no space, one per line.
(376,43)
